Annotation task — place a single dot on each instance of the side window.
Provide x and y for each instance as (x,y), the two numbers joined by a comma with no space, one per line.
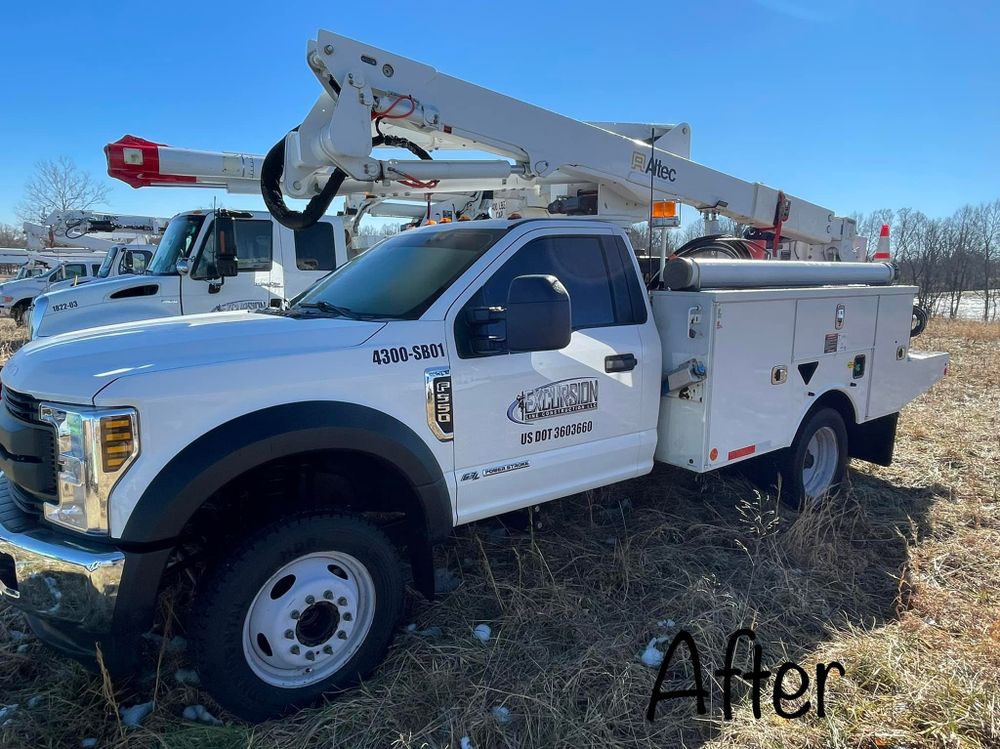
(94,268)
(134,261)
(254,248)
(314,248)
(254,245)
(588,267)
(75,269)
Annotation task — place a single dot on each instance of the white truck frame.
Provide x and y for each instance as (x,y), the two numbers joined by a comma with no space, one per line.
(451,373)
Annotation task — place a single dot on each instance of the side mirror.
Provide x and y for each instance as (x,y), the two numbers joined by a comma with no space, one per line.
(183,266)
(538,314)
(226,264)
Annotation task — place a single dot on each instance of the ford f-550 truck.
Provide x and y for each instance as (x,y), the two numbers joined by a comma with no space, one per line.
(449,374)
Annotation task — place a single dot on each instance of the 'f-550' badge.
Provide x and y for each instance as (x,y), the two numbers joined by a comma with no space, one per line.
(439,403)
(555,399)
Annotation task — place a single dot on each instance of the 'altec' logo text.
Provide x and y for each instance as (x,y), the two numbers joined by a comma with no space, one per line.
(555,399)
(656,167)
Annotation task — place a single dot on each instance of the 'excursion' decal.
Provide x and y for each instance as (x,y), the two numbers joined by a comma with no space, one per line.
(554,399)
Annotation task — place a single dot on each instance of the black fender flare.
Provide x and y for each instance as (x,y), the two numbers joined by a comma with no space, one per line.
(230,449)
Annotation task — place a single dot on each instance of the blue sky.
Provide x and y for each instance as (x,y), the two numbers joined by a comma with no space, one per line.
(853,105)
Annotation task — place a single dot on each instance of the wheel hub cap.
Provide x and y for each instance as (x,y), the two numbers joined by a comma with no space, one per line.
(308,619)
(819,466)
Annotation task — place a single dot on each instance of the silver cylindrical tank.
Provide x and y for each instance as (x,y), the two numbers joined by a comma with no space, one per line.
(692,274)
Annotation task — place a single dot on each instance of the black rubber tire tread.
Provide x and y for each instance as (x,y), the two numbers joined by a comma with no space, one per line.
(791,460)
(223,599)
(18,311)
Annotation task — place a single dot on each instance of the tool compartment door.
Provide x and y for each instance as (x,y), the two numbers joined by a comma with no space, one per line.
(748,414)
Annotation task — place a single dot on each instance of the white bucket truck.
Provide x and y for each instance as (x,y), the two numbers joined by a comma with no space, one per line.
(449,374)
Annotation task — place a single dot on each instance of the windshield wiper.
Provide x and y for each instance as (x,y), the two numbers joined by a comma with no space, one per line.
(329,308)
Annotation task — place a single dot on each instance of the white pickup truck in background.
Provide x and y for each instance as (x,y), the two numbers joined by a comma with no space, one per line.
(185,276)
(18,294)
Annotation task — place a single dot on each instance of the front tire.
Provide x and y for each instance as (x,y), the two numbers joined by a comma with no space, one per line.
(815,465)
(305,607)
(17,312)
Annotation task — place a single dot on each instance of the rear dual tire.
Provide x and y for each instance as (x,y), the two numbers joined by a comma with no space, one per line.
(814,467)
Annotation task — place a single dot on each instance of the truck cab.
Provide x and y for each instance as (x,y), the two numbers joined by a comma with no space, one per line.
(183,276)
(121,260)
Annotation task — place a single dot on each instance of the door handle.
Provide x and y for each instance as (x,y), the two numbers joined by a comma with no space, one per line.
(620,363)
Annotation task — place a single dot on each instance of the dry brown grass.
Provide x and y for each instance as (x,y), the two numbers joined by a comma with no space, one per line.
(900,581)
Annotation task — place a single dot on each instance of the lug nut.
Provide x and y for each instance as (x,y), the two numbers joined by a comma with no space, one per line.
(310,656)
(328,650)
(341,601)
(346,616)
(289,634)
(295,649)
(328,594)
(296,614)
(341,635)
(310,600)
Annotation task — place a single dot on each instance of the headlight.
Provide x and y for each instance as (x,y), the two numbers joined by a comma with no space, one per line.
(35,314)
(95,447)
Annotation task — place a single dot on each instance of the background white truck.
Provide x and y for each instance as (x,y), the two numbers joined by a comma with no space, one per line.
(451,373)
(189,274)
(17,294)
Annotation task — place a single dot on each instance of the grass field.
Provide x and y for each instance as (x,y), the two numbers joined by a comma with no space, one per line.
(899,580)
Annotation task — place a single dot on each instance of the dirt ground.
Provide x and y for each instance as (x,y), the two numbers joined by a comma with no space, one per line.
(898,580)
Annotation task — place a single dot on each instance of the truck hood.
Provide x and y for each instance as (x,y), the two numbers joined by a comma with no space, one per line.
(99,289)
(74,367)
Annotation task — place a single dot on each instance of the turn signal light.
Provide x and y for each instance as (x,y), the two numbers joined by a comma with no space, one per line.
(117,442)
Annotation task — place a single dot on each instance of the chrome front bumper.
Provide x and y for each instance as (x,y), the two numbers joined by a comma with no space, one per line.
(54,576)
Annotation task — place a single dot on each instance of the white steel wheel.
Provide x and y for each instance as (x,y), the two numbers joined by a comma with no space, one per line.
(309,619)
(819,465)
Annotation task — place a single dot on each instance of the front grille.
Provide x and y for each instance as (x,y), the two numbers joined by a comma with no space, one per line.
(21,406)
(26,502)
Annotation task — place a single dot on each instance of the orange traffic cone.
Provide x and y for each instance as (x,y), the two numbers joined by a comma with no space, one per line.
(882,249)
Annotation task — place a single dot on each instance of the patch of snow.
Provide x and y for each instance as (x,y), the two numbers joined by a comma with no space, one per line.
(652,656)
(187,676)
(88,743)
(501,714)
(445,581)
(23,648)
(133,715)
(665,623)
(34,702)
(199,714)
(465,743)
(7,710)
(482,632)
(15,635)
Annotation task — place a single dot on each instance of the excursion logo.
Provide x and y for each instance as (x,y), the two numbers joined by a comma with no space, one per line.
(555,399)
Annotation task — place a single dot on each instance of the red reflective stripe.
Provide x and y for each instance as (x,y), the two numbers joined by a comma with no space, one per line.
(145,174)
(742,452)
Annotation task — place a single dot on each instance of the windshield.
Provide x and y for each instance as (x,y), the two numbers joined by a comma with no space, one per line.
(400,277)
(106,265)
(177,243)
(26,272)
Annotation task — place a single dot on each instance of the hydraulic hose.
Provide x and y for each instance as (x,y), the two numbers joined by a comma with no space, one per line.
(274,166)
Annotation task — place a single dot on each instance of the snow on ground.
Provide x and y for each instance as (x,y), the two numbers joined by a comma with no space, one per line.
(482,632)
(133,715)
(199,714)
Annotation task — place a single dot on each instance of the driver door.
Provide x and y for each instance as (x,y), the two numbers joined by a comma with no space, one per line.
(531,426)
(204,290)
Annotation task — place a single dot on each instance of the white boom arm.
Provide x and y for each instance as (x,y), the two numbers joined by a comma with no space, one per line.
(374,98)
(92,230)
